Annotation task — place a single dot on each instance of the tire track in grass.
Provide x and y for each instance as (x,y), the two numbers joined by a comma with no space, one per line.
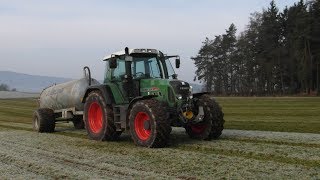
(167,162)
(72,162)
(229,152)
(279,151)
(176,151)
(261,141)
(139,155)
(10,171)
(28,166)
(307,138)
(285,151)
(203,148)
(57,160)
(252,155)
(177,163)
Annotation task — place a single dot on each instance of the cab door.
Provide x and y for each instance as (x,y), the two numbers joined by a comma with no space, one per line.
(118,81)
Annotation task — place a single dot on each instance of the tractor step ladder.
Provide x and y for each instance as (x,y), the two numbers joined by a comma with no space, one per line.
(120,117)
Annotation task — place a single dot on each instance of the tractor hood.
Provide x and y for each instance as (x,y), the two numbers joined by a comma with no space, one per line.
(166,90)
(181,88)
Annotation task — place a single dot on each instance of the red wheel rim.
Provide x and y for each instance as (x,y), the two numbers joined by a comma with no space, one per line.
(95,117)
(139,123)
(198,128)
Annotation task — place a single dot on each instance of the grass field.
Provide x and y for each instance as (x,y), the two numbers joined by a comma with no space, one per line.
(238,154)
(285,114)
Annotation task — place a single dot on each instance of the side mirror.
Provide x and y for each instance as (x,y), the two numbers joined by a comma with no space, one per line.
(113,63)
(174,76)
(177,62)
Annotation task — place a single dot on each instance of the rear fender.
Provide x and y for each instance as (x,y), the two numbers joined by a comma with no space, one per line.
(105,91)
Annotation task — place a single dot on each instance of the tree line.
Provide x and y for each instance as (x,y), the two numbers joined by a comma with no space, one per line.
(277,54)
(5,87)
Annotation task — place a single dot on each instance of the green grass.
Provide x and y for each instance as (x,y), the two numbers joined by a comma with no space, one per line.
(186,158)
(17,110)
(285,114)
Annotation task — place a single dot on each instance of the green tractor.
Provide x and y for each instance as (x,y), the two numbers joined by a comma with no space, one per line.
(141,94)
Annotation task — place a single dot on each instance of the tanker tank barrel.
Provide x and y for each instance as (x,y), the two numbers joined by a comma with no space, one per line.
(67,95)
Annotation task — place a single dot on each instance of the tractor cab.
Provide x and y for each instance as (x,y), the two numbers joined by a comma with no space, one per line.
(145,72)
(140,64)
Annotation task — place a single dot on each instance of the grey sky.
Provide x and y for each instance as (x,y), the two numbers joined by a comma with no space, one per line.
(58,38)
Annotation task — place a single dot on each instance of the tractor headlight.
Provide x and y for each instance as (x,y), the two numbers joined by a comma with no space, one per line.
(179,96)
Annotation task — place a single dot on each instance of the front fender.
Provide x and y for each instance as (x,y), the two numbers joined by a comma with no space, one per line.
(197,95)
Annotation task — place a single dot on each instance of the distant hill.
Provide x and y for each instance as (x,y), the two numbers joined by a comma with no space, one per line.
(28,83)
(35,83)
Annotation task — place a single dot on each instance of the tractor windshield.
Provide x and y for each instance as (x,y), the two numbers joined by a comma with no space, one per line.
(142,67)
(146,67)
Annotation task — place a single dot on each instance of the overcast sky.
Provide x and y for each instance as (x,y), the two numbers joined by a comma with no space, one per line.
(59,37)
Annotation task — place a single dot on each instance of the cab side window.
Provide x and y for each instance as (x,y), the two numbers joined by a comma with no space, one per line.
(119,72)
(154,68)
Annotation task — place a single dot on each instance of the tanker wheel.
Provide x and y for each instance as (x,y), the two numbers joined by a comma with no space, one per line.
(43,120)
(98,118)
(78,122)
(212,124)
(149,123)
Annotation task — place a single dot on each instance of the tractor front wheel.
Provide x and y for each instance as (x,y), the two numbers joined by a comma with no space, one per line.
(98,118)
(149,125)
(212,124)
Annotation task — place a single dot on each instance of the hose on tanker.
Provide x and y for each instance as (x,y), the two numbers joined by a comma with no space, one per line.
(87,73)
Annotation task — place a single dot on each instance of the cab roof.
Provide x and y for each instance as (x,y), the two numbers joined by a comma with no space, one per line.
(132,51)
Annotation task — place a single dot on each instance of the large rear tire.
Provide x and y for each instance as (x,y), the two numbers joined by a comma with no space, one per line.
(98,118)
(43,120)
(212,124)
(149,124)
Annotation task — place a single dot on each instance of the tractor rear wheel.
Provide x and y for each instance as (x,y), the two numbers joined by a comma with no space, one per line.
(43,120)
(212,124)
(98,118)
(149,124)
